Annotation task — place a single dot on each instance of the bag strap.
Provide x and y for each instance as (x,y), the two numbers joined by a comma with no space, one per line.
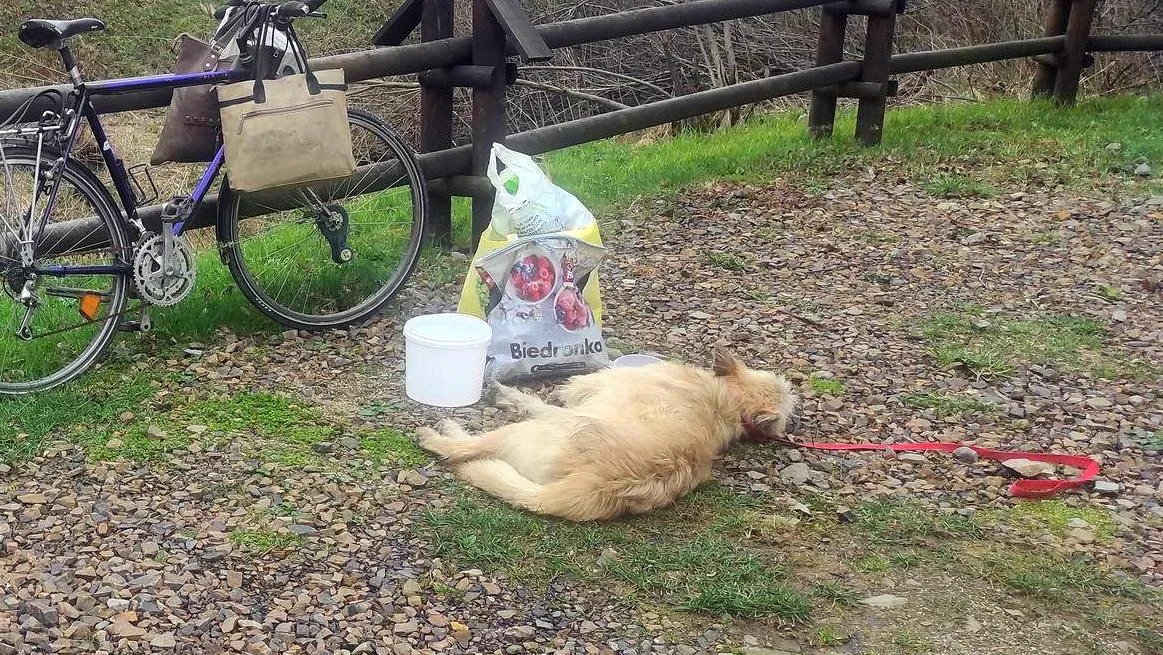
(313,86)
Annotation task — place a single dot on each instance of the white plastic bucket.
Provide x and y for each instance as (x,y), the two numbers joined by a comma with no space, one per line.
(636,360)
(444,360)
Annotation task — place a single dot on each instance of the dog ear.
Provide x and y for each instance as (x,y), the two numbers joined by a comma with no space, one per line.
(723,363)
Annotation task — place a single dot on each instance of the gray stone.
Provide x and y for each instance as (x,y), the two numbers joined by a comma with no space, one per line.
(797,473)
(965,455)
(885,601)
(1144,170)
(1107,487)
(44,613)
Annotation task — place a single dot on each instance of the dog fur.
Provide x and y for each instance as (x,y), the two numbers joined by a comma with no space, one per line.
(625,441)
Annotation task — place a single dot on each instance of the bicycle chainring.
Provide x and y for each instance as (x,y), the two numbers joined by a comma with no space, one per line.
(154,284)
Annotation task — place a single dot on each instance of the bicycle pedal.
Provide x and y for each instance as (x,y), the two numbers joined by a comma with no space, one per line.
(129,326)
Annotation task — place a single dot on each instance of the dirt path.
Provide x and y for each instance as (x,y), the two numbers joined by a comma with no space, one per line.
(1026,321)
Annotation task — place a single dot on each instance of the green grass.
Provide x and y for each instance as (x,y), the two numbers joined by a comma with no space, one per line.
(946,404)
(1008,143)
(727,261)
(688,556)
(958,186)
(1052,578)
(1108,292)
(993,346)
(826,386)
(262,541)
(902,523)
(1052,515)
(393,447)
(836,593)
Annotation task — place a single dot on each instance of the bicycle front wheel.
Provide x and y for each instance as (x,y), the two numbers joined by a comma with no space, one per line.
(332,254)
(65,285)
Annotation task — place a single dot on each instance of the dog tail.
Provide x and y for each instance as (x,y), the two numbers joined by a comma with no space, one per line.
(571,498)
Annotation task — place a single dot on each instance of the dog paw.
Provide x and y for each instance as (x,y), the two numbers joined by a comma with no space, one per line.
(430,439)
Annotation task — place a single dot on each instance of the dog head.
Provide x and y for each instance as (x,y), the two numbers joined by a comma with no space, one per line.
(767,401)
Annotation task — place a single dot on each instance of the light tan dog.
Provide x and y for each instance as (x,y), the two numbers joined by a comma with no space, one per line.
(627,441)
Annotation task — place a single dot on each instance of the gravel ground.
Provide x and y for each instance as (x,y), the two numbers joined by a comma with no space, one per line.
(118,557)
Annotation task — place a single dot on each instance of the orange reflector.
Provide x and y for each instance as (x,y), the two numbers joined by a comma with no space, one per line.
(90,305)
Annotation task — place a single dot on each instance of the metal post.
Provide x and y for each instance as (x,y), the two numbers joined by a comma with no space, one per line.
(1074,52)
(829,50)
(436,117)
(489,123)
(875,69)
(1056,17)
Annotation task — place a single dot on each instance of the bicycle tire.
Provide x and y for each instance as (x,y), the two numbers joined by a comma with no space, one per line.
(233,250)
(98,197)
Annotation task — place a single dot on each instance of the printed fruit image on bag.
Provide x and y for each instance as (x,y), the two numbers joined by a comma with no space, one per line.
(542,324)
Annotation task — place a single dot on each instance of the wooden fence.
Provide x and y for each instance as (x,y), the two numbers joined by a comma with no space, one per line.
(502,29)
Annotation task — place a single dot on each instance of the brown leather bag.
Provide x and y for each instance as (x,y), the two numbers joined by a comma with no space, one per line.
(190,131)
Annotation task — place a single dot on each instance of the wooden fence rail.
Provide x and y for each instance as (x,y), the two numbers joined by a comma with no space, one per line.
(501,29)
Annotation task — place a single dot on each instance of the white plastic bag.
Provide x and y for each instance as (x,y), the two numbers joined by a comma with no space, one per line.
(527,201)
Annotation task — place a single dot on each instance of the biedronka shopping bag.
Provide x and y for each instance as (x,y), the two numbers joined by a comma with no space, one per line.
(542,324)
(541,247)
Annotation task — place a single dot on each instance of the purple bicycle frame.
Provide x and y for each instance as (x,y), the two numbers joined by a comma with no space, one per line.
(147,83)
(83,106)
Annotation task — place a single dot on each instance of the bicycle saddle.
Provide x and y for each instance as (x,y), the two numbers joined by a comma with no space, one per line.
(38,32)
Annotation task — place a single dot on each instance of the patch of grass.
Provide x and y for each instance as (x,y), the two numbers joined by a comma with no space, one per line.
(826,635)
(262,541)
(909,641)
(903,522)
(836,593)
(1152,441)
(688,556)
(827,386)
(27,421)
(1046,238)
(1108,292)
(1008,142)
(393,447)
(992,346)
(946,404)
(1049,577)
(727,261)
(872,563)
(1053,515)
(958,186)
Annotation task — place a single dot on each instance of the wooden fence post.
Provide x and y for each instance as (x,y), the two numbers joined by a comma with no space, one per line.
(829,50)
(1074,52)
(489,124)
(878,42)
(1056,16)
(436,116)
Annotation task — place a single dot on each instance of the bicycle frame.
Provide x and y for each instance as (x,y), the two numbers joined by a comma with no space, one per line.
(82,106)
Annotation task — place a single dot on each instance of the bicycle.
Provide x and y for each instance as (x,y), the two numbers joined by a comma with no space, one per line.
(72,257)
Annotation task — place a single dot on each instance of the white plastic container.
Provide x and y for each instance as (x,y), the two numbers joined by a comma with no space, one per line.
(444,361)
(636,360)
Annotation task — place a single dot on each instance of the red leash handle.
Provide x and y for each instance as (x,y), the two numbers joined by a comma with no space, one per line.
(1024,488)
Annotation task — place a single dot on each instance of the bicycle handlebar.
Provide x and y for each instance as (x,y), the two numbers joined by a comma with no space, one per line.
(287,10)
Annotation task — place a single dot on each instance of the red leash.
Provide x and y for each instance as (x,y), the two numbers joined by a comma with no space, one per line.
(1024,488)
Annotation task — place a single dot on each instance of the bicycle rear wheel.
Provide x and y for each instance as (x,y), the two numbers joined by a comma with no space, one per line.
(55,323)
(330,255)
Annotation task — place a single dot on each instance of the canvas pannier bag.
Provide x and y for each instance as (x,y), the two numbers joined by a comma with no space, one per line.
(287,131)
